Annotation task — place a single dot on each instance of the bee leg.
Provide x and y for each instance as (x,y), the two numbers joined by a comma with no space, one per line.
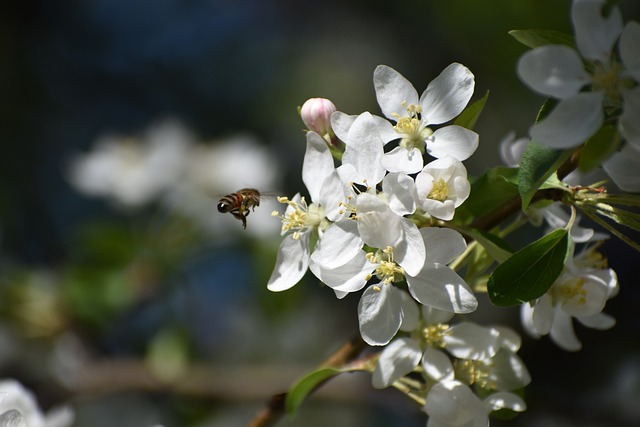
(241,217)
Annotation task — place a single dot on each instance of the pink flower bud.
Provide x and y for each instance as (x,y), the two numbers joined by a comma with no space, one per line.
(316,114)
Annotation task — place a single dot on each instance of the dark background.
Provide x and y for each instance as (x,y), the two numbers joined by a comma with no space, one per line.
(72,70)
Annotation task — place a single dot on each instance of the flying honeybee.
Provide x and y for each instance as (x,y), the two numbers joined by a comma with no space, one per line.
(240,203)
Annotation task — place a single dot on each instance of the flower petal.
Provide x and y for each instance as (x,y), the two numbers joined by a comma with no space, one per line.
(318,164)
(364,150)
(447,95)
(454,141)
(595,34)
(409,250)
(571,122)
(378,226)
(402,160)
(440,287)
(332,196)
(437,365)
(379,314)
(400,188)
(339,243)
(543,315)
(433,316)
(471,341)
(350,277)
(451,403)
(392,90)
(630,49)
(562,332)
(291,263)
(397,360)
(504,400)
(629,126)
(553,70)
(508,372)
(601,321)
(623,168)
(410,313)
(341,123)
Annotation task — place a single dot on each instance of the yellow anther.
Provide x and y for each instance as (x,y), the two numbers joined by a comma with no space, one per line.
(440,191)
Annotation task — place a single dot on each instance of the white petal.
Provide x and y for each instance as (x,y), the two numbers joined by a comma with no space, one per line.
(318,164)
(437,365)
(402,160)
(571,122)
(630,49)
(453,404)
(471,341)
(511,149)
(454,141)
(543,315)
(350,277)
(505,400)
(508,371)
(601,321)
(410,313)
(553,70)
(623,168)
(385,128)
(562,333)
(332,196)
(401,191)
(338,244)
(447,95)
(291,263)
(440,287)
(443,244)
(444,210)
(378,226)
(629,126)
(509,338)
(392,90)
(526,317)
(341,123)
(433,316)
(409,251)
(595,34)
(379,314)
(397,359)
(364,150)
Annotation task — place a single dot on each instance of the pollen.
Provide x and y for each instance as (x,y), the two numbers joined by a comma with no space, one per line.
(387,269)
(572,289)
(473,372)
(434,334)
(440,191)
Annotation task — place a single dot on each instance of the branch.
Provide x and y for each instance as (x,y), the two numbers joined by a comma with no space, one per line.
(274,409)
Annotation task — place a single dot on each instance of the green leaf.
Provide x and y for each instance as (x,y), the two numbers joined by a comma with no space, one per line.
(537,38)
(492,189)
(539,163)
(306,385)
(468,118)
(494,245)
(598,148)
(530,272)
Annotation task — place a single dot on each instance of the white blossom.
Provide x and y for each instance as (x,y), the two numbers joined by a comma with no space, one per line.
(18,407)
(441,187)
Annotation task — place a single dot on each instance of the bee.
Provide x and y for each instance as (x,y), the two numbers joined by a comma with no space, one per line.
(240,204)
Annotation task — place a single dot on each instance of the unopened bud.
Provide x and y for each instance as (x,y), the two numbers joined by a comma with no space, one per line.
(316,114)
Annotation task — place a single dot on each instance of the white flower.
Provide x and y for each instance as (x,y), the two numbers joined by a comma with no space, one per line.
(301,219)
(558,71)
(18,407)
(581,291)
(445,97)
(441,187)
(453,404)
(133,172)
(623,168)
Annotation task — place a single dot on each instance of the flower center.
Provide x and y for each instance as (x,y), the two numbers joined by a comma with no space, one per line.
(606,77)
(571,289)
(434,334)
(410,127)
(387,269)
(302,217)
(440,190)
(473,372)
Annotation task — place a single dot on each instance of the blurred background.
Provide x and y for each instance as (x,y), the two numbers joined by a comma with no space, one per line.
(124,293)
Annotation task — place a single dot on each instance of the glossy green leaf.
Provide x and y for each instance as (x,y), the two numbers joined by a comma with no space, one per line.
(538,164)
(492,189)
(497,248)
(537,38)
(306,385)
(468,118)
(530,272)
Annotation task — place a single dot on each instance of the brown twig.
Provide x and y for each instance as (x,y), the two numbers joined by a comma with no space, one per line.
(274,409)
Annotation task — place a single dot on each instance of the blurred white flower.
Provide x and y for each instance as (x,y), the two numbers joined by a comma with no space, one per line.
(18,408)
(133,172)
